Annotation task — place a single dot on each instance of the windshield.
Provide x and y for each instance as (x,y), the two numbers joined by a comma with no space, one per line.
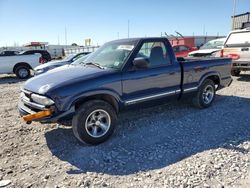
(214,44)
(239,39)
(69,57)
(80,60)
(112,54)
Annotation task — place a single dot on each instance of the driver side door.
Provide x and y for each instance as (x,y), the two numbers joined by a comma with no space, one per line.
(161,78)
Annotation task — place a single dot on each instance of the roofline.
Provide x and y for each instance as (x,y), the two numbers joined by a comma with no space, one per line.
(243,14)
(137,39)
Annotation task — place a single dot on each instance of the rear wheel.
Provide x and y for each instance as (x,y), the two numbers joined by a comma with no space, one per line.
(22,72)
(205,95)
(94,122)
(235,72)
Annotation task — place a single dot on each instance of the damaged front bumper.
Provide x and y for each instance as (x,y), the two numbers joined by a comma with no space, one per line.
(31,111)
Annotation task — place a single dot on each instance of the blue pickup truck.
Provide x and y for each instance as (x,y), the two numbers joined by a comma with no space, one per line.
(121,74)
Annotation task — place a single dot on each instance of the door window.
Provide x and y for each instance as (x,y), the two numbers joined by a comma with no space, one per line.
(155,53)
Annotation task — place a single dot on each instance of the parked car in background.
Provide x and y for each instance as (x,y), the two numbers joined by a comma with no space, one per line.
(19,64)
(54,64)
(183,50)
(120,74)
(237,46)
(8,53)
(44,53)
(209,49)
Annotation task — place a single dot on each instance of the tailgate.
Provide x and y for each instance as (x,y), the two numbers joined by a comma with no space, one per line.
(242,52)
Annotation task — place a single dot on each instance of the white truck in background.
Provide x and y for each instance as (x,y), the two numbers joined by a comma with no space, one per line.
(237,46)
(21,65)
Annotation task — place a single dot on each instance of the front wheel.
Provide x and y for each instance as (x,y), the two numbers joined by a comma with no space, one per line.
(205,95)
(94,122)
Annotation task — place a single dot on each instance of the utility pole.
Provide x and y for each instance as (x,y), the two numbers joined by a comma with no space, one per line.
(234,10)
(128,28)
(58,40)
(118,35)
(65,36)
(204,30)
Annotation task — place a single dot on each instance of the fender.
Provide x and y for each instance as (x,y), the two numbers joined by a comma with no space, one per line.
(205,76)
(84,95)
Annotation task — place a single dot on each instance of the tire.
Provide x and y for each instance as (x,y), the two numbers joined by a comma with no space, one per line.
(205,95)
(22,72)
(235,72)
(94,122)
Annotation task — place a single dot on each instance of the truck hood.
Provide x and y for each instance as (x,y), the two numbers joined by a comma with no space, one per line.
(205,51)
(61,76)
(50,64)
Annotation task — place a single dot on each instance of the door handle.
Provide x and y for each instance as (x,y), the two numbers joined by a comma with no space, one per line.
(244,49)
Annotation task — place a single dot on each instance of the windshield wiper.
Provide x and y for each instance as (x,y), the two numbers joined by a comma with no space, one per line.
(95,64)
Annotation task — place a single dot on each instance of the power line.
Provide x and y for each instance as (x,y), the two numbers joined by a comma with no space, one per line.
(234,10)
(65,32)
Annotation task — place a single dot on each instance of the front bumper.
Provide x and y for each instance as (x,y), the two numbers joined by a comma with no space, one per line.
(29,114)
(51,117)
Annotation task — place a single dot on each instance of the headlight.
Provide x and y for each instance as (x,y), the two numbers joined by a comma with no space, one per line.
(42,100)
(39,71)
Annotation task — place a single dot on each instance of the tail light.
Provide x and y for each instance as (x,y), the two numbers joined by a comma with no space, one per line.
(233,56)
(41,60)
(222,53)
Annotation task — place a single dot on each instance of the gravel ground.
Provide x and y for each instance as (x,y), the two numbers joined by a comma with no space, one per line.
(174,145)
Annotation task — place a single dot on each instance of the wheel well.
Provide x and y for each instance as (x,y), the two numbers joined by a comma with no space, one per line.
(21,64)
(215,79)
(105,97)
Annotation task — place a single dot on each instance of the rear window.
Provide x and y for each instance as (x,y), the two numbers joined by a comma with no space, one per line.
(238,39)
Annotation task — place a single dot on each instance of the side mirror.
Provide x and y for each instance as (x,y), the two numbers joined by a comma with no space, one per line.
(141,63)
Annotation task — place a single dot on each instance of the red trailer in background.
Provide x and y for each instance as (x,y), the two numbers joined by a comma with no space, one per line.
(183,45)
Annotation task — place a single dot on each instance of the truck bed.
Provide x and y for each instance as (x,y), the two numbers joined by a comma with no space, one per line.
(195,69)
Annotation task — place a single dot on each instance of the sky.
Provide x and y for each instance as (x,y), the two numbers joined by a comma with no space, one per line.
(23,21)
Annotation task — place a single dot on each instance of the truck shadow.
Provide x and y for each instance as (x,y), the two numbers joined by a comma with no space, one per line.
(156,137)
